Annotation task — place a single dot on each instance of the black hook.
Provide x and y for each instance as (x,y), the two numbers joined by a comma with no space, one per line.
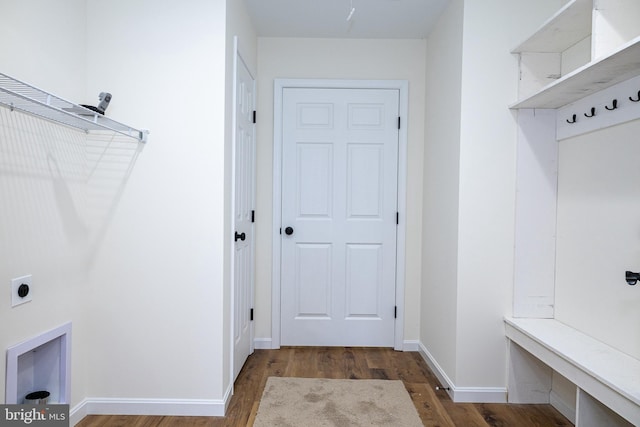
(635,100)
(631,277)
(615,105)
(593,112)
(573,119)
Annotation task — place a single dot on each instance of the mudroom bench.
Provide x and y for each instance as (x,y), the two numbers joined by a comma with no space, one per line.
(607,381)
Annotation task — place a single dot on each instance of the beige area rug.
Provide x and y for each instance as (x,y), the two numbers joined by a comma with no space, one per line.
(310,402)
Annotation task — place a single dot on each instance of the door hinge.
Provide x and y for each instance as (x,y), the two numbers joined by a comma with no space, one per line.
(280,230)
(251,315)
(395,312)
(253,216)
(397,218)
(398,122)
(254,116)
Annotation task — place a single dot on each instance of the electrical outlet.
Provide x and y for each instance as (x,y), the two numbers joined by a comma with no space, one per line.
(21,291)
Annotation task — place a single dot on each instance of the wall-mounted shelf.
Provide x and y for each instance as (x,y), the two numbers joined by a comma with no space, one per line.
(587,46)
(21,96)
(567,27)
(621,65)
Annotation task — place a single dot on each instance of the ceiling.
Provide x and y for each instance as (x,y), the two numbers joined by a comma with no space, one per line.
(389,19)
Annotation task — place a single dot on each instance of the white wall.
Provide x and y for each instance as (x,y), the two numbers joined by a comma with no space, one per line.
(339,59)
(487,184)
(486,192)
(599,235)
(438,321)
(158,305)
(42,227)
(239,24)
(131,249)
(39,50)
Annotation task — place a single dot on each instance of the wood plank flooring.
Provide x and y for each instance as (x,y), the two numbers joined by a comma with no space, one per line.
(435,407)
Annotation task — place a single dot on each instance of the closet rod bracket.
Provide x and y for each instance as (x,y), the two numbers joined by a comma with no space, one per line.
(17,95)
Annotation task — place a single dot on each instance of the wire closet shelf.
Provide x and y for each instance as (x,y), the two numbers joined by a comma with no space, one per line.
(17,95)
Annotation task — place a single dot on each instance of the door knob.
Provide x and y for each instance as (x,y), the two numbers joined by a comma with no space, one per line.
(240,236)
(288,231)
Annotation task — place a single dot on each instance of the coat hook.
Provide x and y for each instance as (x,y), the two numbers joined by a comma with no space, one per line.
(631,277)
(593,112)
(635,100)
(614,106)
(573,119)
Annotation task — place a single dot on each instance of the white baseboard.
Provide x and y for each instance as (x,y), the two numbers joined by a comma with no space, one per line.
(77,413)
(480,394)
(262,343)
(167,407)
(436,369)
(411,345)
(565,409)
(463,394)
(267,344)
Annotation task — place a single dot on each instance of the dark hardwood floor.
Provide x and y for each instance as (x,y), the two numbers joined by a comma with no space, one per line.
(435,407)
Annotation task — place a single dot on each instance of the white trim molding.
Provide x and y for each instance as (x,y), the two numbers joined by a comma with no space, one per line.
(411,345)
(598,111)
(463,394)
(166,407)
(403,88)
(262,343)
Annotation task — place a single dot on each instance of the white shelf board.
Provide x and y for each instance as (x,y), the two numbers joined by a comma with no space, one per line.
(567,27)
(21,96)
(600,74)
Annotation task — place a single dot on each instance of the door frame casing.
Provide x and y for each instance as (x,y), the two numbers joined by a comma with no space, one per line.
(279,85)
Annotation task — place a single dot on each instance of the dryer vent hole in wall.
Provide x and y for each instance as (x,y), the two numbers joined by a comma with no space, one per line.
(38,369)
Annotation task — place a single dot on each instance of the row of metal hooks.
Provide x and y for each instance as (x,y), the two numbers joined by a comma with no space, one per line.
(614,105)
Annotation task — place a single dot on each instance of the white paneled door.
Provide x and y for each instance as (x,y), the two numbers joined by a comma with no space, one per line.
(339,216)
(243,216)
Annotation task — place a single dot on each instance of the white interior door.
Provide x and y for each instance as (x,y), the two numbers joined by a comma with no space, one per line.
(339,216)
(243,205)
